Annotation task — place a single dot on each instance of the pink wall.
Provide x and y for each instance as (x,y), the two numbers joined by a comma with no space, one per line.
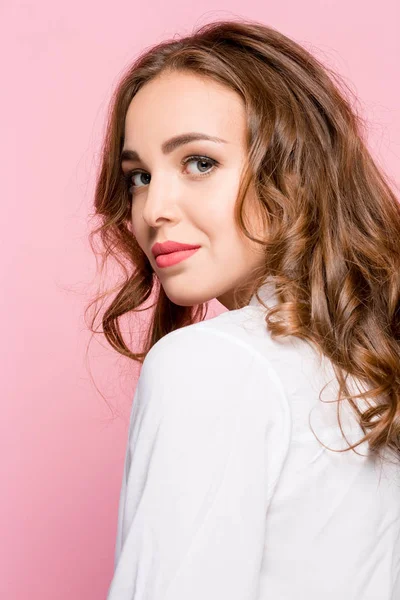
(62,455)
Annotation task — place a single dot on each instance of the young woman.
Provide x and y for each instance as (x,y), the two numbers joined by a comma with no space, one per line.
(264,443)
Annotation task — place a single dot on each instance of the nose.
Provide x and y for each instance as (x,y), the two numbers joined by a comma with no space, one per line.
(161,202)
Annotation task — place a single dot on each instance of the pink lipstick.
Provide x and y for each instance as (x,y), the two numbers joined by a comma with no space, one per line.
(172,258)
(170,253)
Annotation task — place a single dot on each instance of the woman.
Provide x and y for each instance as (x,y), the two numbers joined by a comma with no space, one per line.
(264,443)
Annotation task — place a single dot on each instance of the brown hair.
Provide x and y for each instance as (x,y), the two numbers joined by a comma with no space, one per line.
(332,223)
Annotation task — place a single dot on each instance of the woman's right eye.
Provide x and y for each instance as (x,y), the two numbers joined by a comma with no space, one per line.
(140,175)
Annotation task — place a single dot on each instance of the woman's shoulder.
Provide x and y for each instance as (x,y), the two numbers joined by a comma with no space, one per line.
(206,343)
(223,338)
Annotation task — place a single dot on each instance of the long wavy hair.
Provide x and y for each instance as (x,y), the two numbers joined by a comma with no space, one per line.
(332,222)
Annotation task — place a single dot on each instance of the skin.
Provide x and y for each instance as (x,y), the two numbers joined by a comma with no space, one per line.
(172,201)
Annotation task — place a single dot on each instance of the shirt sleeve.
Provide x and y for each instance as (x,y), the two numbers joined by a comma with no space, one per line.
(204,452)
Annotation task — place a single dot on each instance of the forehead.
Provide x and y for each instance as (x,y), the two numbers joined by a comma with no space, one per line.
(175,103)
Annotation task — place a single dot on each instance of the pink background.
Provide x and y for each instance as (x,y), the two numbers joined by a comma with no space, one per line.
(61,451)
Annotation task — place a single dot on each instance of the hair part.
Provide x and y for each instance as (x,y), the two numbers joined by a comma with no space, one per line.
(332,221)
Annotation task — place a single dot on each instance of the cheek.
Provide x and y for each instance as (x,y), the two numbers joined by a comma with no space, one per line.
(136,219)
(219,209)
(219,227)
(137,227)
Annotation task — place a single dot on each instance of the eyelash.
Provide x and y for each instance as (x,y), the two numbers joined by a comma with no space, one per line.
(195,157)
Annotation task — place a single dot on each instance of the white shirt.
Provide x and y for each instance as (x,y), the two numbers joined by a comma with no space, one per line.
(227,494)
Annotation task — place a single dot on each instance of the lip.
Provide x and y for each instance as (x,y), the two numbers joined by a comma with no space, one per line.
(172,258)
(169,246)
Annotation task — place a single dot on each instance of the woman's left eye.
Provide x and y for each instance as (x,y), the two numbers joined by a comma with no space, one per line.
(204,165)
(202,161)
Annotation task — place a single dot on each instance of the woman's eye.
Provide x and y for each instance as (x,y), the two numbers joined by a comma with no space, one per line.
(140,177)
(201,163)
(135,177)
(203,166)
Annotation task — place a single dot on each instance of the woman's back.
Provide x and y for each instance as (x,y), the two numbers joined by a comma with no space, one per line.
(249,505)
(333,523)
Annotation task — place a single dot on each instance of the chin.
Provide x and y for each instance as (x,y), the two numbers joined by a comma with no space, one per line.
(186,299)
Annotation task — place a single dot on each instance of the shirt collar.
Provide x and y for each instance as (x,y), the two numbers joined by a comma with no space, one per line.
(266,292)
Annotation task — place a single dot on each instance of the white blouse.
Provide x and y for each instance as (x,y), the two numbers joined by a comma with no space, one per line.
(226,492)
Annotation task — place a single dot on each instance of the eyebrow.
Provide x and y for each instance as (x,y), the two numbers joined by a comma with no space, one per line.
(170,145)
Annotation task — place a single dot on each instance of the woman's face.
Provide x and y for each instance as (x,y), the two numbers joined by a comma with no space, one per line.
(190,200)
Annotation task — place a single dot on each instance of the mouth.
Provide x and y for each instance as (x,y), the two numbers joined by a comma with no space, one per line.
(173,258)
(170,246)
